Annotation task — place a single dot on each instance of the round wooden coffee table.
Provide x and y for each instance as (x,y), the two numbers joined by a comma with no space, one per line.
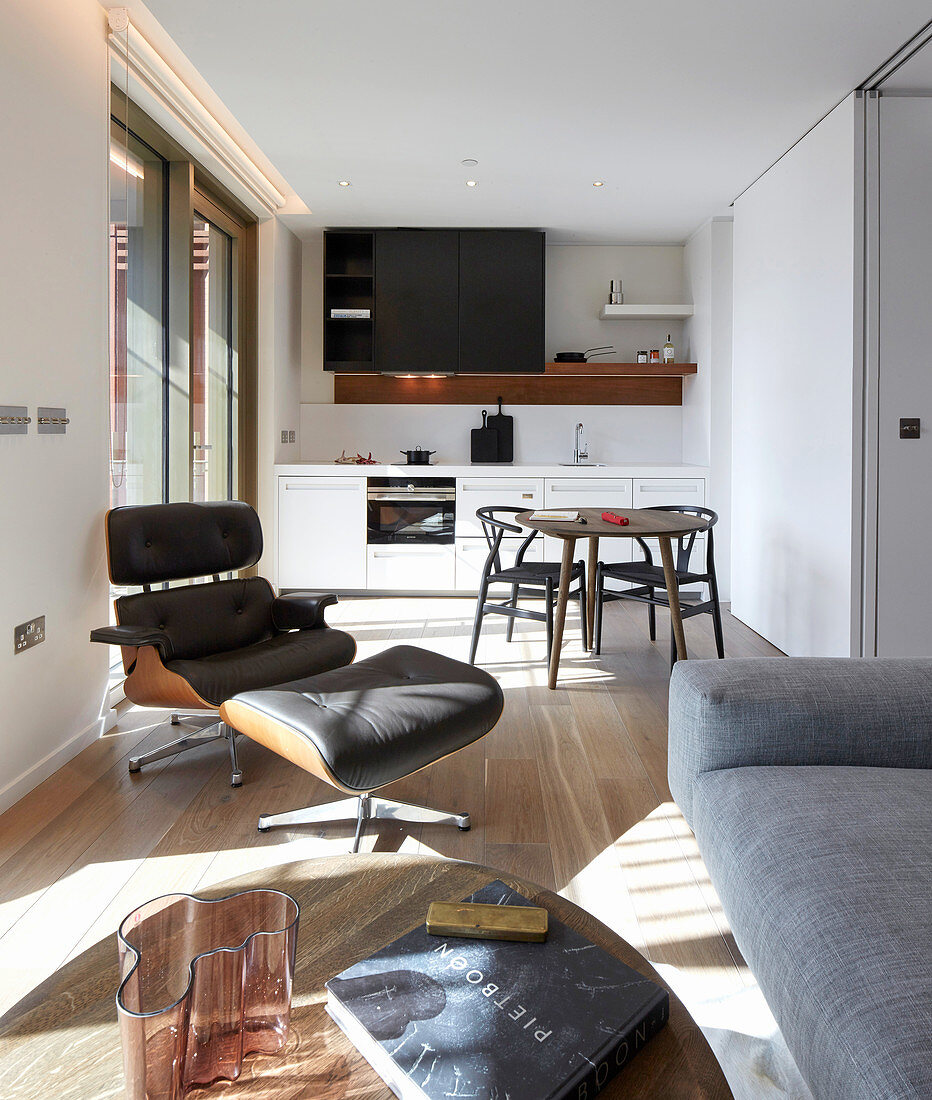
(63,1039)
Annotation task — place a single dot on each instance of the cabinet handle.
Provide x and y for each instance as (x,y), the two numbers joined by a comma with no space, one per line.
(497,487)
(668,488)
(428,553)
(323,488)
(607,487)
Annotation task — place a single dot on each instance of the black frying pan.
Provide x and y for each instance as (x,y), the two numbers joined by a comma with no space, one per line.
(581,356)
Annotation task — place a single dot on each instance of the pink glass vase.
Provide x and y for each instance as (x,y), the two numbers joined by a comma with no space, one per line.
(203,984)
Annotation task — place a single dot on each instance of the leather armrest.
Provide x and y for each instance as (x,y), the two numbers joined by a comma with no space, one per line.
(300,610)
(135,636)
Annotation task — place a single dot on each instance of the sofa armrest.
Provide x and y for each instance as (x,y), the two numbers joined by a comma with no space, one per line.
(135,636)
(869,712)
(300,610)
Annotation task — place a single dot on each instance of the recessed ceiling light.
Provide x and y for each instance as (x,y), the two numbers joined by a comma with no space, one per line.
(598,183)
(469,162)
(345,183)
(472,183)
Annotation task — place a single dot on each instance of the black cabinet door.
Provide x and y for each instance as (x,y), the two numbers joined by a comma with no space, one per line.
(416,310)
(501,301)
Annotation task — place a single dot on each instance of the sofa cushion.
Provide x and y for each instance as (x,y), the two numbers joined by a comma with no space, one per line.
(826,877)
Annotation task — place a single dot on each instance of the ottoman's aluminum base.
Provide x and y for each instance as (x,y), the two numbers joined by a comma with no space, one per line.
(207,729)
(366,807)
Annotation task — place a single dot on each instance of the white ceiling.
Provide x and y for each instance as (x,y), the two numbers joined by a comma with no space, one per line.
(677,105)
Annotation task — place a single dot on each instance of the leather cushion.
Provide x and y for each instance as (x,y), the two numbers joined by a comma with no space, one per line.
(205,619)
(151,543)
(388,716)
(272,661)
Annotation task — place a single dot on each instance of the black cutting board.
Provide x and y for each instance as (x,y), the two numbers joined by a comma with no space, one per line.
(505,426)
(484,442)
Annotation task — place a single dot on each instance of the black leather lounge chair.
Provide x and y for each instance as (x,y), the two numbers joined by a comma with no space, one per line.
(190,648)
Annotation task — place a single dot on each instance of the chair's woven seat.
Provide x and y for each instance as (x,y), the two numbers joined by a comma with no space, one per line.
(534,571)
(640,572)
(383,718)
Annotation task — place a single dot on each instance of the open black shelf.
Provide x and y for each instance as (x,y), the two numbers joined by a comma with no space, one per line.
(349,266)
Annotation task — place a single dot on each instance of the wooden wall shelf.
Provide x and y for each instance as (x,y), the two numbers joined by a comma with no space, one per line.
(598,369)
(560,384)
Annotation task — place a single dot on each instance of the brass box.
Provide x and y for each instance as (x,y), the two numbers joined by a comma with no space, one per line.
(487,922)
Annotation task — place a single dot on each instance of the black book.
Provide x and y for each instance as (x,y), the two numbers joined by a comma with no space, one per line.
(492,1020)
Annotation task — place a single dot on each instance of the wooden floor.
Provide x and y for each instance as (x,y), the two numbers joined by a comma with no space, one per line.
(569,790)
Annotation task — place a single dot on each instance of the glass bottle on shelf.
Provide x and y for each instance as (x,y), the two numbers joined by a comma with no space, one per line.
(668,350)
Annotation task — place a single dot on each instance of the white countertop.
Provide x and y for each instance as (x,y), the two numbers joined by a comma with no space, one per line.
(497,469)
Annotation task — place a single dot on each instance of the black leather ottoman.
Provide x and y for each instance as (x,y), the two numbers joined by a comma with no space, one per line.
(368,724)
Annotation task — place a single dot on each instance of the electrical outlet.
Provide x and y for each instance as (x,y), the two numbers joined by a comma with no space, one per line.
(26,635)
(284,436)
(291,437)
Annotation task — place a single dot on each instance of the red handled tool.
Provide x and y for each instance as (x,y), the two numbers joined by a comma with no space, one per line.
(611,517)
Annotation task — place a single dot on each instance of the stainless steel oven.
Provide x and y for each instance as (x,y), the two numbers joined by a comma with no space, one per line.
(406,512)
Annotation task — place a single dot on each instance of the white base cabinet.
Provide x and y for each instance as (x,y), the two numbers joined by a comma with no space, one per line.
(411,568)
(322,532)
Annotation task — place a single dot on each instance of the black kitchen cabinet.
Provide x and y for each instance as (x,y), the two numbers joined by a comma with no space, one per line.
(434,301)
(416,308)
(501,301)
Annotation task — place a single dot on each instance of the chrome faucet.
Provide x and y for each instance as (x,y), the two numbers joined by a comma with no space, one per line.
(580,454)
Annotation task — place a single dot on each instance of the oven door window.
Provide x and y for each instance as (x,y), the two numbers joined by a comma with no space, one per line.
(401,521)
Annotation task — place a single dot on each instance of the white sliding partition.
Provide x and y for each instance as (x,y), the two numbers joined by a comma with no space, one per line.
(794,579)
(904,487)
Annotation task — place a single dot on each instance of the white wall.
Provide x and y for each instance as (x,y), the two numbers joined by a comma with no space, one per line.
(279,321)
(543,433)
(53,317)
(793,480)
(707,395)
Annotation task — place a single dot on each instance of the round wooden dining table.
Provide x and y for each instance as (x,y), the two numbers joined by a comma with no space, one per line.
(642,523)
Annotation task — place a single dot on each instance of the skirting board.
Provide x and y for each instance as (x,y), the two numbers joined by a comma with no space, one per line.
(41,770)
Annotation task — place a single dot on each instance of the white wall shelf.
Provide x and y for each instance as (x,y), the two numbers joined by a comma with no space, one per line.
(645,313)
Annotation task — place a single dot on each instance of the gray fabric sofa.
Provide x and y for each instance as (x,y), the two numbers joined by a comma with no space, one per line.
(808,784)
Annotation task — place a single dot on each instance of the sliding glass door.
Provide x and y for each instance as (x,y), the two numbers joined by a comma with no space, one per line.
(178,311)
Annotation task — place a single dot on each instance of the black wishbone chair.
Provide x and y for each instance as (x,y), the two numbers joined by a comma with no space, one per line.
(532,578)
(646,577)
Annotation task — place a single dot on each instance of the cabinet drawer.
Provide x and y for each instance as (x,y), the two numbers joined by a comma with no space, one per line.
(411,568)
(651,491)
(322,533)
(589,492)
(525,493)
(470,559)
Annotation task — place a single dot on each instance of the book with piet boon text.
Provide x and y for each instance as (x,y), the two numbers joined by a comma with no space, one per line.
(440,1017)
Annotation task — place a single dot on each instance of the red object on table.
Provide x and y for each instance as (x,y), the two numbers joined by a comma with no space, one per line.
(610,517)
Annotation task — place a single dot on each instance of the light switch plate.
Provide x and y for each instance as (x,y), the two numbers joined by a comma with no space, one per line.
(26,635)
(13,420)
(51,421)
